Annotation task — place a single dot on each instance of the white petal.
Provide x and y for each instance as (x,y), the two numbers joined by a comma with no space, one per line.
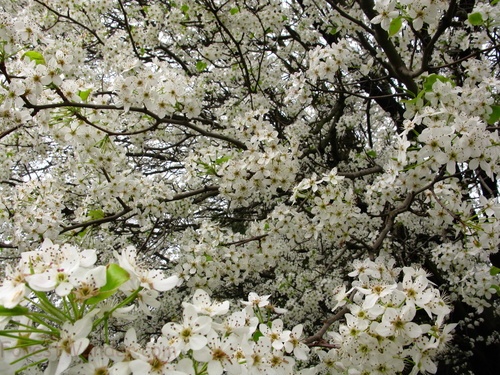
(88,258)
(139,367)
(11,296)
(196,342)
(63,289)
(64,362)
(370,301)
(413,330)
(214,368)
(79,346)
(165,284)
(384,329)
(42,282)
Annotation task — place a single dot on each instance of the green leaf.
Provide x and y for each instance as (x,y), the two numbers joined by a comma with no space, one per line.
(209,170)
(257,335)
(476,19)
(201,66)
(15,311)
(235,10)
(184,8)
(395,25)
(96,214)
(84,94)
(37,57)
(115,277)
(222,160)
(371,153)
(83,233)
(494,2)
(431,79)
(495,115)
(494,271)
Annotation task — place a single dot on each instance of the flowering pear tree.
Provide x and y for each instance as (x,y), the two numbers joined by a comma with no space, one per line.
(249,187)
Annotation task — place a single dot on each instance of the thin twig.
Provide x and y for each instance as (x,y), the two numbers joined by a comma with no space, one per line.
(318,336)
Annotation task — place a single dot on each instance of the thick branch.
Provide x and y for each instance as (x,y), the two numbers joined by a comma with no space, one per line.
(401,70)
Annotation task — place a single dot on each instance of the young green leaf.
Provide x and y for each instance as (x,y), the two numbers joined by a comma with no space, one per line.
(395,25)
(257,335)
(494,115)
(37,57)
(84,94)
(201,66)
(494,271)
(431,79)
(222,160)
(115,277)
(476,19)
(96,214)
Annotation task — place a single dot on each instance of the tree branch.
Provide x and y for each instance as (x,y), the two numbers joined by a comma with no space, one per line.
(318,336)
(400,69)
(103,220)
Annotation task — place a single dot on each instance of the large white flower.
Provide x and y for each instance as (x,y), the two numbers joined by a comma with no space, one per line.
(72,342)
(191,334)
(156,359)
(238,323)
(148,278)
(11,293)
(387,13)
(203,304)
(56,275)
(98,363)
(254,300)
(87,282)
(293,344)
(217,353)
(396,322)
(257,355)
(275,333)
(415,287)
(374,292)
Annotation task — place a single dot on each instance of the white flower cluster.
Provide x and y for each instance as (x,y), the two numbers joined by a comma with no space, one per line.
(325,62)
(387,324)
(331,197)
(57,298)
(471,280)
(260,171)
(54,304)
(419,12)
